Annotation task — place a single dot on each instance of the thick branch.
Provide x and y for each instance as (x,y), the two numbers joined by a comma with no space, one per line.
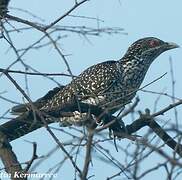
(9,159)
(160,132)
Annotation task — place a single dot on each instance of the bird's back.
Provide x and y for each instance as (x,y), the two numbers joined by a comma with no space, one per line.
(91,86)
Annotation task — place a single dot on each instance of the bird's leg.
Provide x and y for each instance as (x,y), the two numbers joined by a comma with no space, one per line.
(118,128)
(98,121)
(146,114)
(115,125)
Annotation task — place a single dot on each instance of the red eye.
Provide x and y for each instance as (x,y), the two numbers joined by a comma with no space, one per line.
(153,43)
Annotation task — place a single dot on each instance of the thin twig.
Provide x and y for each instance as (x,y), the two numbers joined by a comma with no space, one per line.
(34,157)
(35,74)
(173,90)
(64,15)
(88,154)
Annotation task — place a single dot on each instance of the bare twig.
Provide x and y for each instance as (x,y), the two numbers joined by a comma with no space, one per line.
(66,14)
(173,90)
(88,154)
(34,157)
(35,74)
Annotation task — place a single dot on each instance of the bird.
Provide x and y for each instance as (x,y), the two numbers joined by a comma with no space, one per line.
(109,85)
(4,6)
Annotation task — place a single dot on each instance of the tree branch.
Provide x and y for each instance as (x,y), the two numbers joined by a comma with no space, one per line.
(9,159)
(88,154)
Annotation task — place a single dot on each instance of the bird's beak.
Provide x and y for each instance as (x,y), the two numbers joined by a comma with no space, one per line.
(171,45)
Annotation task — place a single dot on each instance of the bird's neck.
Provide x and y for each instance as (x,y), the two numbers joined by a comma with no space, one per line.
(134,70)
(135,63)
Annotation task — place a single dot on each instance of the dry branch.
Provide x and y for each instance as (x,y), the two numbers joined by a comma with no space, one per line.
(9,159)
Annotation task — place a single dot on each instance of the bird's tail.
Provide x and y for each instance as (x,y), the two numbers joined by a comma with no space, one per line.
(22,108)
(21,125)
(27,121)
(19,109)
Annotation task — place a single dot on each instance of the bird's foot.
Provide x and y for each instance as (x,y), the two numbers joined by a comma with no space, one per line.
(117,129)
(146,114)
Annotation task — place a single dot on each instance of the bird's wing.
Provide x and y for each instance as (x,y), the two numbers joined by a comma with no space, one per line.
(91,83)
(101,77)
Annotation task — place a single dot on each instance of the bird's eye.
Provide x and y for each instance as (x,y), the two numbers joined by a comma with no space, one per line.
(153,43)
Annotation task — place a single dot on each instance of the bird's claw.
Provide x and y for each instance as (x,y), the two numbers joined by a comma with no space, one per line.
(146,114)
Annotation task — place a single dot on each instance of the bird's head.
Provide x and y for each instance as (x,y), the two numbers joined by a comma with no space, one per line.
(148,49)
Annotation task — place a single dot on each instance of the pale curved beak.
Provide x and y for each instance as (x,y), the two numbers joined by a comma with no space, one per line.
(171,45)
